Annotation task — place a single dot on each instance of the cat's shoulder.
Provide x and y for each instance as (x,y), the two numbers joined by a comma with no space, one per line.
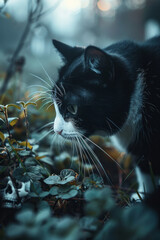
(123,48)
(152,41)
(130,45)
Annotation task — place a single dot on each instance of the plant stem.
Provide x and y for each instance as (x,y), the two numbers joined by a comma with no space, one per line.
(7,123)
(27,126)
(20,45)
(18,157)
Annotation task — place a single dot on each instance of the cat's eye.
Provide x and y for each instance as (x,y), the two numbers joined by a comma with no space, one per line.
(72,109)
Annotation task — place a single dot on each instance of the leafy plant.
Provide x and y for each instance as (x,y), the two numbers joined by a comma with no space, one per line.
(42,225)
(62,202)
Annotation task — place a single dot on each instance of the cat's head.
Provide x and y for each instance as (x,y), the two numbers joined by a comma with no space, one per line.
(92,93)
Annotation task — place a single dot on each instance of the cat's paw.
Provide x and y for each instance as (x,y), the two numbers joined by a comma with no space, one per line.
(137,197)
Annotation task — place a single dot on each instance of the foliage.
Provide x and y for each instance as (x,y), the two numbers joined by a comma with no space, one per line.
(137,222)
(41,225)
(63,203)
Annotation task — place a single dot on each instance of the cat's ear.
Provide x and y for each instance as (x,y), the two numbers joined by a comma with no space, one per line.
(98,61)
(68,52)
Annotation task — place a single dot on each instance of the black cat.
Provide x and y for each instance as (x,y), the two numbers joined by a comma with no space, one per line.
(116,90)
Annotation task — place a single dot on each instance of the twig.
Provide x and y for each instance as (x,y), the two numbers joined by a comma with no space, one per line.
(34,15)
(53,8)
(27,127)
(11,66)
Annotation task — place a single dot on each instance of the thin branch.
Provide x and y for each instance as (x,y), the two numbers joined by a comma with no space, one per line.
(11,66)
(53,8)
(34,15)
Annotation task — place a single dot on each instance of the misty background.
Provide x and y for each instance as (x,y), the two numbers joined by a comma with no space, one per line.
(75,22)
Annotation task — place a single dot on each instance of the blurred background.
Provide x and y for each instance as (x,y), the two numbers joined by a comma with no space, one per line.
(27,27)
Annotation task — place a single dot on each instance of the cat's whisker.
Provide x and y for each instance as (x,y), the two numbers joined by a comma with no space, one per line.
(45,135)
(46,125)
(81,155)
(58,92)
(50,105)
(41,79)
(46,104)
(104,152)
(51,80)
(53,83)
(87,156)
(56,140)
(96,161)
(63,88)
(109,126)
(35,98)
(43,99)
(40,92)
(59,104)
(133,169)
(38,97)
(73,149)
(40,86)
(59,141)
(113,123)
(90,154)
(56,99)
(77,151)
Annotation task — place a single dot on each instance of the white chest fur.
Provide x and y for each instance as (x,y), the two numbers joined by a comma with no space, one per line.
(122,139)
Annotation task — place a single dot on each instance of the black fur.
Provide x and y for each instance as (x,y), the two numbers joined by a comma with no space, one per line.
(102,82)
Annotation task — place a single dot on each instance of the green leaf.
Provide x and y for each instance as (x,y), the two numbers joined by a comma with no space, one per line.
(54,191)
(14,230)
(13,105)
(12,121)
(35,189)
(67,191)
(34,172)
(3,169)
(21,175)
(21,103)
(30,161)
(54,179)
(2,137)
(65,173)
(72,193)
(42,215)
(1,119)
(47,160)
(25,216)
(24,143)
(24,105)
(25,153)
(93,181)
(30,103)
(99,201)
(89,223)
(43,194)
(34,177)
(2,107)
(57,180)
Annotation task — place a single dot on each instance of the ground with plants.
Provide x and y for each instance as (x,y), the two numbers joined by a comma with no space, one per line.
(65,196)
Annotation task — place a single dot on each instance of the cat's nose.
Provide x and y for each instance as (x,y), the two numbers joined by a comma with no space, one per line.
(60,132)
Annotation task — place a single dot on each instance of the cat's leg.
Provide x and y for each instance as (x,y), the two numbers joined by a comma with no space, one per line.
(145,184)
